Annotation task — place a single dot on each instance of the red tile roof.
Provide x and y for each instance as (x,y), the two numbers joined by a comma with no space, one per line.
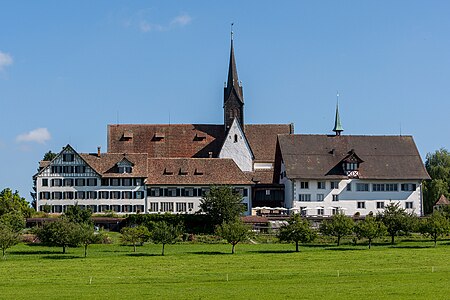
(195,171)
(263,139)
(105,165)
(320,156)
(442,201)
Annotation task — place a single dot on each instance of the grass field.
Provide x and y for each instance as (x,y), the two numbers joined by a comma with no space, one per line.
(409,270)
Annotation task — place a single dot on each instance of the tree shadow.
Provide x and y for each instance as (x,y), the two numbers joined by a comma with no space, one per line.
(61,256)
(37,252)
(337,248)
(412,246)
(141,254)
(210,253)
(274,251)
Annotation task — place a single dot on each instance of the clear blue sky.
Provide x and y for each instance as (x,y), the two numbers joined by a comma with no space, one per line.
(69,68)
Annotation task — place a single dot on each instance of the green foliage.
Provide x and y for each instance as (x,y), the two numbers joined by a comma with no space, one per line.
(164,233)
(49,156)
(192,223)
(339,226)
(60,233)
(8,237)
(438,167)
(135,235)
(297,230)
(435,226)
(222,204)
(12,202)
(396,220)
(370,228)
(13,220)
(234,232)
(77,214)
(88,236)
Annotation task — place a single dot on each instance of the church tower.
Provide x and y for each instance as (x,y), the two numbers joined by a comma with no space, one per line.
(233,100)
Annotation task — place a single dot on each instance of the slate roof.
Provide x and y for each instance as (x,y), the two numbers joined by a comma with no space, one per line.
(320,156)
(195,171)
(190,140)
(105,165)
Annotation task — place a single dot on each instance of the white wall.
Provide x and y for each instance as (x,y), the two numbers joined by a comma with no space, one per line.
(237,149)
(348,199)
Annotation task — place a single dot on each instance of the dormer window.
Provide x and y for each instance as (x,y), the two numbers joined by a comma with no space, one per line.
(125,169)
(158,136)
(350,166)
(127,136)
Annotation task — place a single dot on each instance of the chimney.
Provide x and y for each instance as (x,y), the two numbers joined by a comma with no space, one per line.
(291,128)
(210,154)
(99,151)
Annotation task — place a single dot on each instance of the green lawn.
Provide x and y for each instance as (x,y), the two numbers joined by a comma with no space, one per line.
(410,270)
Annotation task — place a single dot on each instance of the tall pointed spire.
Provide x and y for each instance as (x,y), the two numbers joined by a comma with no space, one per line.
(233,80)
(233,96)
(337,120)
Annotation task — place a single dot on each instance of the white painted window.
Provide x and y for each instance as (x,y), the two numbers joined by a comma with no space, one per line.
(392,187)
(380,205)
(304,184)
(190,206)
(320,185)
(68,157)
(360,204)
(378,187)
(362,187)
(349,187)
(320,197)
(181,206)
(408,187)
(335,197)
(304,197)
(166,206)
(320,211)
(153,206)
(409,205)
(334,184)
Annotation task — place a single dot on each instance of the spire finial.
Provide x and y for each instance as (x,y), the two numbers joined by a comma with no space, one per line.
(337,121)
(232,30)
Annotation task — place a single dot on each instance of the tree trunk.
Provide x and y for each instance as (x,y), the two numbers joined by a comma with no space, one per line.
(163,250)
(85,250)
(392,239)
(296,246)
(3,249)
(339,240)
(134,247)
(370,243)
(64,249)
(435,240)
(232,248)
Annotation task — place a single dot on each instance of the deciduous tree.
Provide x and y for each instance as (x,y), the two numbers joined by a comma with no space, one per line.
(13,202)
(8,237)
(396,220)
(438,167)
(135,235)
(77,214)
(88,236)
(60,233)
(297,230)
(339,226)
(222,204)
(370,228)
(234,232)
(435,226)
(164,233)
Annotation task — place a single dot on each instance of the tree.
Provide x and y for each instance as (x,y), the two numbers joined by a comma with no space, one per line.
(12,202)
(234,232)
(164,233)
(435,226)
(76,214)
(297,230)
(340,225)
(438,167)
(396,220)
(60,233)
(88,236)
(49,156)
(8,237)
(135,235)
(370,229)
(222,204)
(11,224)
